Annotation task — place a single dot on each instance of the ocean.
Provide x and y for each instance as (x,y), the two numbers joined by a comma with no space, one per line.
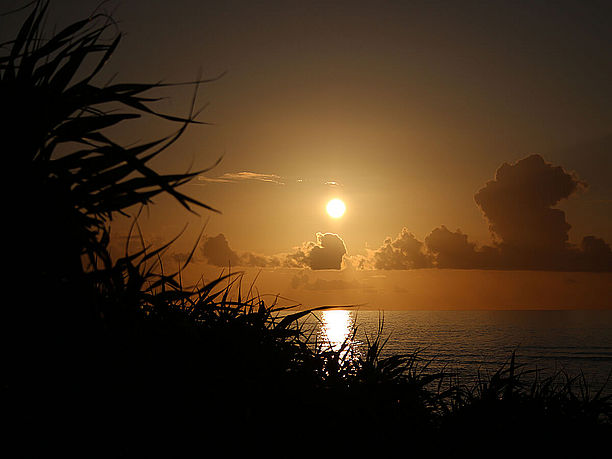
(468,342)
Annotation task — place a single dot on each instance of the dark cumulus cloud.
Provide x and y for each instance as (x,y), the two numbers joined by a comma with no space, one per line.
(403,252)
(529,232)
(216,251)
(452,249)
(326,252)
(519,202)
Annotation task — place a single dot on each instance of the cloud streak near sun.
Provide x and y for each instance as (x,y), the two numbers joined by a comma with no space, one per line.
(248,176)
(236,177)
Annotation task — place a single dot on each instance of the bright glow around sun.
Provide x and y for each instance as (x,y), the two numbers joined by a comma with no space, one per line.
(336,208)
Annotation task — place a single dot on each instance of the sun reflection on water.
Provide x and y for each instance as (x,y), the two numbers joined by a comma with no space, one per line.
(336,327)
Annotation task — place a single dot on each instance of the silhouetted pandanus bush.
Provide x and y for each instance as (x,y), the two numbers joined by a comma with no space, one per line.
(67,177)
(56,121)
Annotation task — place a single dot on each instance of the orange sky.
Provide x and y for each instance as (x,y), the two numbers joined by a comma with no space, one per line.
(410,108)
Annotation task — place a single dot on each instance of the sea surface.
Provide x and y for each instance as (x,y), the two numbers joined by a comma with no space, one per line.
(578,343)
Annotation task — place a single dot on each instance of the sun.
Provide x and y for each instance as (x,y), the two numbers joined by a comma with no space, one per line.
(336,208)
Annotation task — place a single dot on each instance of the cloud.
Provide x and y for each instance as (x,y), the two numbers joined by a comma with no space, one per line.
(235,177)
(518,203)
(326,253)
(259,261)
(595,254)
(453,250)
(359,262)
(217,252)
(528,232)
(403,252)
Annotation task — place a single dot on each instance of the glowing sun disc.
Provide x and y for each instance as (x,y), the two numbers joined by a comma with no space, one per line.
(335,208)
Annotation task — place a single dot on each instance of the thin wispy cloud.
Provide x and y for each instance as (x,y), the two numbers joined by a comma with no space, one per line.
(237,177)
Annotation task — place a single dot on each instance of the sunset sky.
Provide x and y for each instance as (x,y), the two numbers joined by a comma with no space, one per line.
(470,142)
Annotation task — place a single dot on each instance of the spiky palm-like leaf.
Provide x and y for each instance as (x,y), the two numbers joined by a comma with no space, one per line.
(56,142)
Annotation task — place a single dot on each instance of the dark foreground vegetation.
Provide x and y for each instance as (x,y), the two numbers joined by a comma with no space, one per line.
(106,357)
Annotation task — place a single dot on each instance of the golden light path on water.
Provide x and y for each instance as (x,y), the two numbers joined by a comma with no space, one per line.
(337,327)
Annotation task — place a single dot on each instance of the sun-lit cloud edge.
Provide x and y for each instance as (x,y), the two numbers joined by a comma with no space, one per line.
(249,176)
(236,177)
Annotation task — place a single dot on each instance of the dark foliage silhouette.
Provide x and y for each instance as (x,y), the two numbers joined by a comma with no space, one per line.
(66,178)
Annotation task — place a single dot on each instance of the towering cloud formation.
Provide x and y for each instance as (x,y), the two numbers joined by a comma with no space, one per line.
(529,232)
(518,204)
